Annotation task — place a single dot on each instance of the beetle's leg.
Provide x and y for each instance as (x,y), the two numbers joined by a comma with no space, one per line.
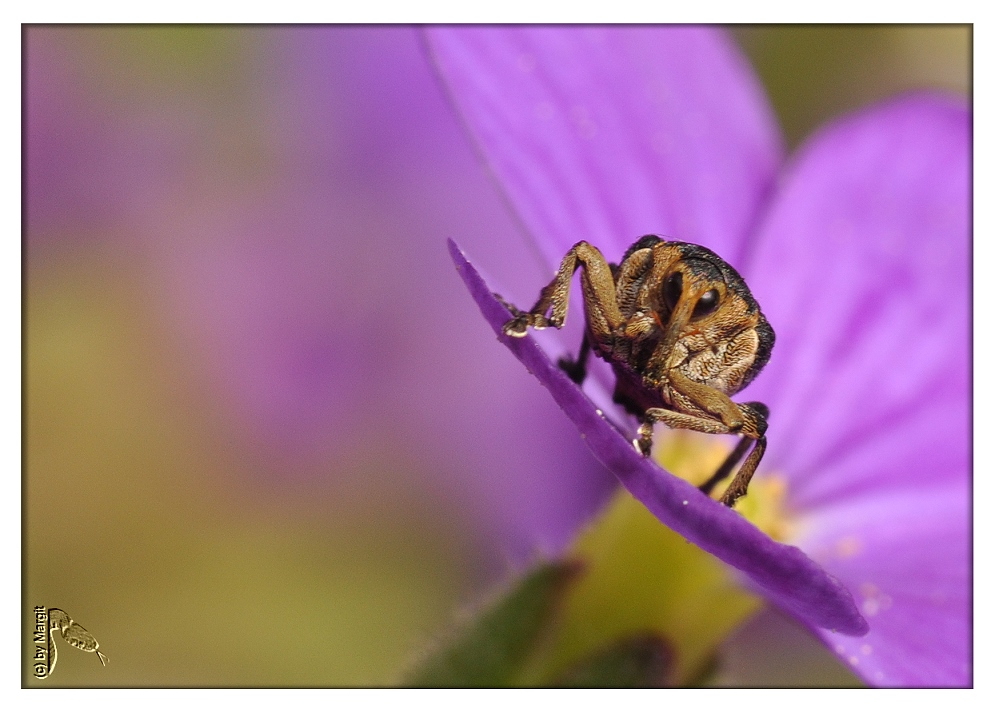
(725,469)
(674,419)
(709,400)
(756,415)
(753,428)
(598,295)
(740,483)
(576,368)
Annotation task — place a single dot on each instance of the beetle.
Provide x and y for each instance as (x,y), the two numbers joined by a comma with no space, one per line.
(682,333)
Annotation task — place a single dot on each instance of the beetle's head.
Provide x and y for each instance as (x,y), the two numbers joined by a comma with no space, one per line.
(703,303)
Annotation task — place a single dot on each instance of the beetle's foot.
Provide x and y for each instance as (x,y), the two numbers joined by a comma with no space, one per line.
(517,327)
(731,497)
(643,444)
(575,370)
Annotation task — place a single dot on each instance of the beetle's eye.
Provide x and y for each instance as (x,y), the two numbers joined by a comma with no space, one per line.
(706,304)
(672,290)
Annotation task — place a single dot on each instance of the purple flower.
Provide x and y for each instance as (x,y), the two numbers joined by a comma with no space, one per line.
(287,228)
(856,249)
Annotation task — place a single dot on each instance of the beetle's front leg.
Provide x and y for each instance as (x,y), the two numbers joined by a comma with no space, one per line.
(599,295)
(756,415)
(673,419)
(740,483)
(709,400)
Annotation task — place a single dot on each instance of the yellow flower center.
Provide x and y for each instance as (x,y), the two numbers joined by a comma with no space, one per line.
(696,456)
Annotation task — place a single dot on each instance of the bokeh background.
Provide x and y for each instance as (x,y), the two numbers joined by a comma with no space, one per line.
(268,439)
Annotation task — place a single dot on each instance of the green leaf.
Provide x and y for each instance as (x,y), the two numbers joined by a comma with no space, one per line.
(642,578)
(491,648)
(640,661)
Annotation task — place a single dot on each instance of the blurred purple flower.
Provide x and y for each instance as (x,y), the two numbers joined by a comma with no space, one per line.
(284,197)
(859,258)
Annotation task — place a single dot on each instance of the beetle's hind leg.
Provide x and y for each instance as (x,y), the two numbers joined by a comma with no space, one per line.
(576,368)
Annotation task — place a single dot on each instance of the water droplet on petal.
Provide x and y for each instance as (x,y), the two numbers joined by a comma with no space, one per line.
(874,601)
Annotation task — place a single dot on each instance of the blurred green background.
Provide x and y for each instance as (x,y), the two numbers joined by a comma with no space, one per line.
(217,506)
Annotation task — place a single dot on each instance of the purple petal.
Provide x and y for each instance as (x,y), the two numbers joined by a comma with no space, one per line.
(869,382)
(789,577)
(609,134)
(290,242)
(906,558)
(863,270)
